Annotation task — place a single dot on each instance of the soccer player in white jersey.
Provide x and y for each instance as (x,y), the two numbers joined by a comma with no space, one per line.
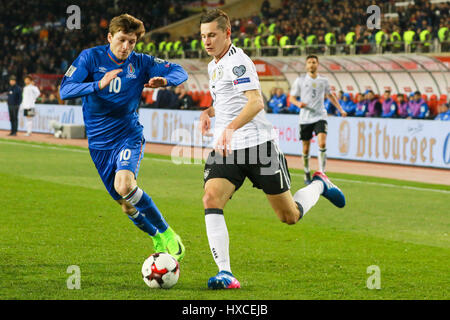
(312,89)
(30,94)
(245,146)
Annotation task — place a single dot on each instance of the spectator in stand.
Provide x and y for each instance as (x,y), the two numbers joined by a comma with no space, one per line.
(373,105)
(348,105)
(185,101)
(389,106)
(52,99)
(418,108)
(402,105)
(361,105)
(444,113)
(278,102)
(166,99)
(331,109)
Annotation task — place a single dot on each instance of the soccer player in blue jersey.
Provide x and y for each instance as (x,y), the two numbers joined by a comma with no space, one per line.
(110,80)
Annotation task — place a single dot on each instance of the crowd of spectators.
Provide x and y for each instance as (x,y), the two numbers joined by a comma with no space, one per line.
(368,104)
(313,19)
(35,39)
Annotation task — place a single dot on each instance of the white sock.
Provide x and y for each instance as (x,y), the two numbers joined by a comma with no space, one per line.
(29,125)
(306,163)
(309,195)
(322,158)
(217,232)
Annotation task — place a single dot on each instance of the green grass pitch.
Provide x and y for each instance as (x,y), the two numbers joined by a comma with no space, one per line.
(56,213)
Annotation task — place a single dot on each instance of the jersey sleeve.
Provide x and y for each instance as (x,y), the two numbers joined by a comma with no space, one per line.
(174,73)
(73,85)
(296,88)
(243,75)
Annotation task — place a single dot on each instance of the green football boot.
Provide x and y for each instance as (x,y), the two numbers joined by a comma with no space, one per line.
(173,244)
(158,243)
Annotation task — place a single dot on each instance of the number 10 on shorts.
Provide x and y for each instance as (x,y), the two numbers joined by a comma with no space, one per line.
(125,155)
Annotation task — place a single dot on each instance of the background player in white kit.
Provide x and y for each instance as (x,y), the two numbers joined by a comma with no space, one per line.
(245,146)
(312,89)
(30,94)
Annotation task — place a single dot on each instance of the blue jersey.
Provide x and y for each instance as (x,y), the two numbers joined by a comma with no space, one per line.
(110,115)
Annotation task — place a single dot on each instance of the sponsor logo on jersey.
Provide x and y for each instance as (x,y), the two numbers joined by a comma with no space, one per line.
(102,69)
(158,60)
(241,80)
(70,71)
(206,174)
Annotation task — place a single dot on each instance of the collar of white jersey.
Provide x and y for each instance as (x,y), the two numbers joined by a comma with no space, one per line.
(231,50)
(317,77)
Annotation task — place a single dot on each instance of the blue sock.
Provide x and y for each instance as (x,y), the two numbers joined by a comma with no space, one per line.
(144,204)
(142,223)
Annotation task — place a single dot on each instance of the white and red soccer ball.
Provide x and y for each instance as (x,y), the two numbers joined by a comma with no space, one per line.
(161,270)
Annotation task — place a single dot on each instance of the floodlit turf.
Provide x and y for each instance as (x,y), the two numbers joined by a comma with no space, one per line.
(55,213)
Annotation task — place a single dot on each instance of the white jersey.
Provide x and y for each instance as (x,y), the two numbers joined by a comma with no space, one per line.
(30,94)
(229,78)
(312,92)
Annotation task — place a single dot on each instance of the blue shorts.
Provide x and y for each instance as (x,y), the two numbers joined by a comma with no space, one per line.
(125,157)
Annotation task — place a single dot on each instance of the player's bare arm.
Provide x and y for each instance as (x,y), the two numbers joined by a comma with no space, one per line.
(254,105)
(299,104)
(336,103)
(205,122)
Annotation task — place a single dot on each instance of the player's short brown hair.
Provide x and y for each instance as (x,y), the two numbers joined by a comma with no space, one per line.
(127,24)
(312,56)
(223,21)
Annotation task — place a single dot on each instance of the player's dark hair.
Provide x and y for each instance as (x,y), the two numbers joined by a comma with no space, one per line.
(127,24)
(223,21)
(312,56)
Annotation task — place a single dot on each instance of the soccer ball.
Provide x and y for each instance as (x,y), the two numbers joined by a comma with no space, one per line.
(160,270)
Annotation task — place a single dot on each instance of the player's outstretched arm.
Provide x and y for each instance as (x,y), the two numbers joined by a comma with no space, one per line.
(173,73)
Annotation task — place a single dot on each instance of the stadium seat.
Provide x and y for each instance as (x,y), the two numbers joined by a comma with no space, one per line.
(443,98)
(206,99)
(424,97)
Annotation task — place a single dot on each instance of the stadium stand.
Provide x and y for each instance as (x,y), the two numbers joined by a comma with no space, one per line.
(42,45)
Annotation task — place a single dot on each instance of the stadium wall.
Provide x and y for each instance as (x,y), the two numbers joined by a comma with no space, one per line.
(408,142)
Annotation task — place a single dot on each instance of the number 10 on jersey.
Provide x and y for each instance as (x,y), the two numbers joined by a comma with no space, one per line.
(115,84)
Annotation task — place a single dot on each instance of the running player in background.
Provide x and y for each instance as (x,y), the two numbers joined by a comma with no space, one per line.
(245,146)
(110,80)
(312,89)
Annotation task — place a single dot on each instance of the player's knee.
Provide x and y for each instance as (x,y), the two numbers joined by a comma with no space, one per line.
(123,188)
(210,200)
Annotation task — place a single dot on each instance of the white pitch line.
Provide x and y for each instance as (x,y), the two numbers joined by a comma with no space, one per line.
(293,174)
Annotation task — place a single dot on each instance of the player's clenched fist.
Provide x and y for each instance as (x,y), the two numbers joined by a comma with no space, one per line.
(156,82)
(108,77)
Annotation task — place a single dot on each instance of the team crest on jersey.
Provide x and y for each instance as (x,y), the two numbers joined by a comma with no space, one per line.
(217,74)
(131,71)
